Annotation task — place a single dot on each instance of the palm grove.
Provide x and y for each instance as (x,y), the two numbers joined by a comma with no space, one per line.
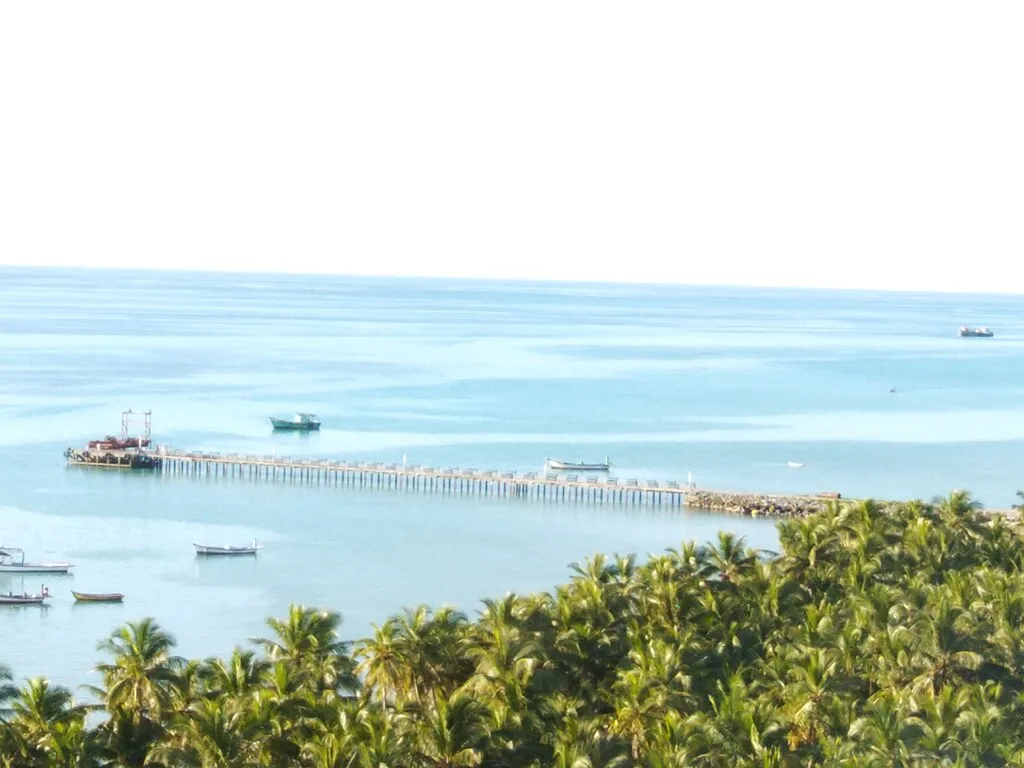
(878,636)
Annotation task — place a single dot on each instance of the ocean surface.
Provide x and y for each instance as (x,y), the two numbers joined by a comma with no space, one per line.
(727,384)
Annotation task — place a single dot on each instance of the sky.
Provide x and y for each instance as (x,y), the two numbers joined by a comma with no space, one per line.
(859,145)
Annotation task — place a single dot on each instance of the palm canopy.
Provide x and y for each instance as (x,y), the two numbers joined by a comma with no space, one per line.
(881,634)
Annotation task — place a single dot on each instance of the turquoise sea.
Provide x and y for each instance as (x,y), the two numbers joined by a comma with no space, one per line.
(729,384)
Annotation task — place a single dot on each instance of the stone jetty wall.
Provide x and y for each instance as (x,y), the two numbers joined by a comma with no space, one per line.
(758,504)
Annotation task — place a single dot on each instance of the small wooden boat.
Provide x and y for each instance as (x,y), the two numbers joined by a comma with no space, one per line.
(12,560)
(97,597)
(25,598)
(300,422)
(205,549)
(580,466)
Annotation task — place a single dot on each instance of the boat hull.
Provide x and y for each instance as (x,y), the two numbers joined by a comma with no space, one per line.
(37,568)
(87,597)
(570,467)
(295,426)
(202,549)
(21,600)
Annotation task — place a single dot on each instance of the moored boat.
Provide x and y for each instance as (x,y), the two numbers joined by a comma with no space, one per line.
(205,549)
(580,466)
(12,560)
(25,598)
(982,332)
(300,422)
(97,597)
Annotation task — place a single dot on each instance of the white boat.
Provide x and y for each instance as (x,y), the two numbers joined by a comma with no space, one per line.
(25,598)
(795,464)
(205,549)
(12,560)
(580,466)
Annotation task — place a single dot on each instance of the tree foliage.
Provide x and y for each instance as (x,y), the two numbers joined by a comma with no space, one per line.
(877,636)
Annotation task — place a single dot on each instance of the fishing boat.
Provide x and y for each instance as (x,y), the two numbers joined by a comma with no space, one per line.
(12,560)
(982,332)
(300,422)
(25,598)
(97,597)
(205,549)
(580,466)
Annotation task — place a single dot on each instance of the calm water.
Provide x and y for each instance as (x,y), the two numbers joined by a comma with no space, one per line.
(727,384)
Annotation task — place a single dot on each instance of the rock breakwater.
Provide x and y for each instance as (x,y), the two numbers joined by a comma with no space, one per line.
(758,504)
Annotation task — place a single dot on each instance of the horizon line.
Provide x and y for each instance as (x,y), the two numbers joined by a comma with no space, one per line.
(499,279)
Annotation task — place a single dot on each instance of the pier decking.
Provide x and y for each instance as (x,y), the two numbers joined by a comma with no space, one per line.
(527,485)
(552,486)
(535,485)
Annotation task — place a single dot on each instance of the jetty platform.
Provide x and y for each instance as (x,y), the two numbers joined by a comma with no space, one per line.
(548,486)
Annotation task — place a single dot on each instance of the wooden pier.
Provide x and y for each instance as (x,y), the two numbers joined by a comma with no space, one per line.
(471,482)
(547,486)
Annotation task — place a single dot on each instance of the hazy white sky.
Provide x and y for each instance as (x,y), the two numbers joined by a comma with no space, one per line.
(867,144)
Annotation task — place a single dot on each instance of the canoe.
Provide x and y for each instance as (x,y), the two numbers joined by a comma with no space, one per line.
(97,597)
(205,549)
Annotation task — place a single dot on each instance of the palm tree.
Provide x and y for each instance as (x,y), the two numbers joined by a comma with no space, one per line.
(236,676)
(308,639)
(506,656)
(47,728)
(416,652)
(213,733)
(946,649)
(451,731)
(139,678)
(730,558)
(887,732)
(7,689)
(381,663)
(367,737)
(137,690)
(582,743)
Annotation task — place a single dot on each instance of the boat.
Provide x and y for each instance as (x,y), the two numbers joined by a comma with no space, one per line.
(114,443)
(205,549)
(579,466)
(12,560)
(25,598)
(795,464)
(982,332)
(124,452)
(97,597)
(300,422)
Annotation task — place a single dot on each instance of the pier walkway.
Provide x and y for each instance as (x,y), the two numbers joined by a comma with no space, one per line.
(553,486)
(533,485)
